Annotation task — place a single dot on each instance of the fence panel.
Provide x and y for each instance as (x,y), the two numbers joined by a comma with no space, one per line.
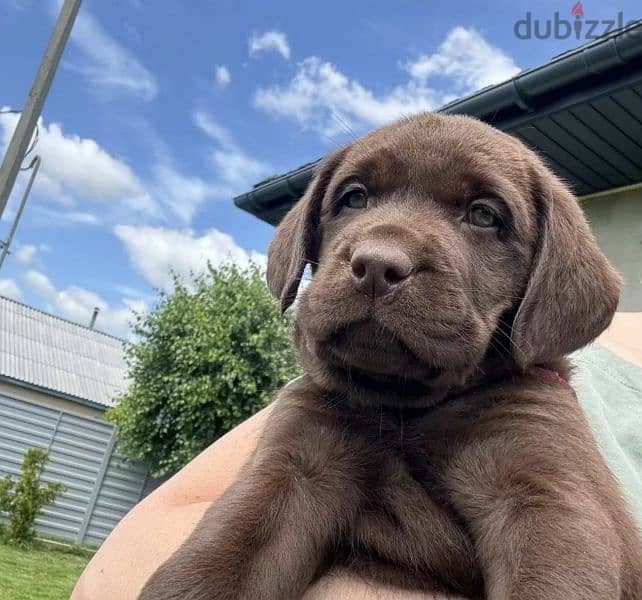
(101,486)
(121,488)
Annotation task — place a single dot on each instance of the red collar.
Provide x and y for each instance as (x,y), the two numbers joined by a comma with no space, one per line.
(550,376)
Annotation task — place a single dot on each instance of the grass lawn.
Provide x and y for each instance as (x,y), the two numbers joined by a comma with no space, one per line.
(39,573)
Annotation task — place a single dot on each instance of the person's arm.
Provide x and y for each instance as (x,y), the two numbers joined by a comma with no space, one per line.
(158,525)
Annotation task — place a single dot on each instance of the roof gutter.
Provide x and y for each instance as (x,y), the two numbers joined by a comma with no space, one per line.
(523,91)
(520,95)
(634,187)
(289,185)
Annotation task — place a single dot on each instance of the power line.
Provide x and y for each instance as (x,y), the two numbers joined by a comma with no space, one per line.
(34,142)
(35,165)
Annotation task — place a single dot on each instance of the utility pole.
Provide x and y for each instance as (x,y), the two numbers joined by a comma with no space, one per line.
(36,99)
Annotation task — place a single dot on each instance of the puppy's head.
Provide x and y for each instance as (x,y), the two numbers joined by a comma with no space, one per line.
(439,246)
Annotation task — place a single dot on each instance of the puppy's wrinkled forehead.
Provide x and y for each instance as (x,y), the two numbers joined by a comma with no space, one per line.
(438,158)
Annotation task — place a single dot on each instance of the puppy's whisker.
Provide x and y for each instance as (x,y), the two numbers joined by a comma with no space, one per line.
(511,341)
(331,139)
(494,293)
(452,331)
(499,345)
(313,262)
(343,124)
(496,343)
(499,348)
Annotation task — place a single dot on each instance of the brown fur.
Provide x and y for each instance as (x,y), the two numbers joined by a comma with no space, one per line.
(421,447)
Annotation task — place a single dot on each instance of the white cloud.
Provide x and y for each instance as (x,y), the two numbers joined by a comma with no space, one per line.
(180,194)
(134,293)
(77,304)
(237,169)
(211,128)
(234,167)
(9,289)
(174,193)
(467,59)
(319,91)
(70,217)
(222,75)
(39,284)
(83,166)
(322,98)
(270,41)
(17,4)
(73,166)
(78,169)
(108,65)
(26,253)
(155,252)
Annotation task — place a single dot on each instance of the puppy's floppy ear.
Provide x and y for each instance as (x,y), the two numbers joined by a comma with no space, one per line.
(573,291)
(297,238)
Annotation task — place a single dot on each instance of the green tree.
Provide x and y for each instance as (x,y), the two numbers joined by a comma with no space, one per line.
(208,356)
(23,499)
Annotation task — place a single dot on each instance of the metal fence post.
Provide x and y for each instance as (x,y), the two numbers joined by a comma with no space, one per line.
(54,432)
(100,477)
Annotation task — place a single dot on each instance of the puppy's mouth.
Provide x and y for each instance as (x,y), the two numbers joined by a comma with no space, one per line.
(369,356)
(388,384)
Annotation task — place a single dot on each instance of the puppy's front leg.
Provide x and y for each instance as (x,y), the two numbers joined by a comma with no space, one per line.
(540,530)
(554,554)
(267,537)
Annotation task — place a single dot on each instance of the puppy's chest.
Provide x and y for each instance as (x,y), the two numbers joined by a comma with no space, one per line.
(423,450)
(408,518)
(407,483)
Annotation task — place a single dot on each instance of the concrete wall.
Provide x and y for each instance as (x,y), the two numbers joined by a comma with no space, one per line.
(616,220)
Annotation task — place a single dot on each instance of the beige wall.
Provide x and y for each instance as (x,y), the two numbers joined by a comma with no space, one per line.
(616,220)
(41,398)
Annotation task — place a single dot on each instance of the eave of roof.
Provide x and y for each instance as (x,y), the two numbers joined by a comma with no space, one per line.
(582,110)
(54,393)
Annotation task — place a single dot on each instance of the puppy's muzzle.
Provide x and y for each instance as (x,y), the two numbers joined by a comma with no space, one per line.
(378,269)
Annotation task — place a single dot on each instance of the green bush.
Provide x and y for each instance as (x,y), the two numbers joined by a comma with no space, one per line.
(210,354)
(23,499)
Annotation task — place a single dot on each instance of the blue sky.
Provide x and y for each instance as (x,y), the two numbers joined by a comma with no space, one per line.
(162,111)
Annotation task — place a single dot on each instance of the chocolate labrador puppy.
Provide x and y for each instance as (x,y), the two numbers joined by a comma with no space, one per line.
(434,441)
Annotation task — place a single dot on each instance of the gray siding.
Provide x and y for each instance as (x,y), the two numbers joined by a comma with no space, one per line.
(101,486)
(616,220)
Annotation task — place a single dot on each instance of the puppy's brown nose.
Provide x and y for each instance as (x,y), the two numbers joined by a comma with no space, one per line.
(377,269)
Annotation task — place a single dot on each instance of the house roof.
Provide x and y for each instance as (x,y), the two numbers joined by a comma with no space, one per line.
(582,111)
(57,356)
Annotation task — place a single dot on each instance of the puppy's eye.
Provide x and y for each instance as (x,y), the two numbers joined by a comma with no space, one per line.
(355,199)
(482,215)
